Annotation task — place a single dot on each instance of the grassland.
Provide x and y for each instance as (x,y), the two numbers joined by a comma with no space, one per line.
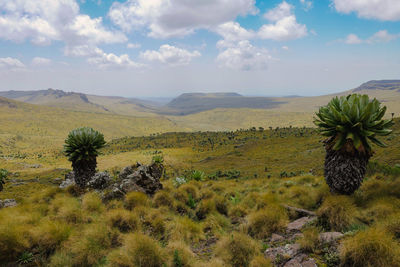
(222,220)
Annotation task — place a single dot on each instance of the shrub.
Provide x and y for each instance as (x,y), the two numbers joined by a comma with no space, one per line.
(61,259)
(221,204)
(123,220)
(237,249)
(309,242)
(337,212)
(269,220)
(67,209)
(237,211)
(163,198)
(134,199)
(91,202)
(138,250)
(183,256)
(260,261)
(90,246)
(49,235)
(13,239)
(204,208)
(217,224)
(197,176)
(185,229)
(392,225)
(370,248)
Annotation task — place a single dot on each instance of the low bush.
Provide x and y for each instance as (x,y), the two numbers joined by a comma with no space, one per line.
(269,220)
(370,248)
(337,212)
(237,250)
(91,202)
(123,220)
(260,261)
(163,198)
(138,250)
(309,242)
(135,199)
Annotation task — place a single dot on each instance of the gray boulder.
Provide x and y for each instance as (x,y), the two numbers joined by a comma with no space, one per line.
(99,181)
(8,203)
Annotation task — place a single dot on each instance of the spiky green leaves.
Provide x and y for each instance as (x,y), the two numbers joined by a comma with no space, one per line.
(354,117)
(83,144)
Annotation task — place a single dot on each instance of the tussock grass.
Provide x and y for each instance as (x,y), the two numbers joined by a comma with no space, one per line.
(264,222)
(337,212)
(123,220)
(370,248)
(135,199)
(237,250)
(138,250)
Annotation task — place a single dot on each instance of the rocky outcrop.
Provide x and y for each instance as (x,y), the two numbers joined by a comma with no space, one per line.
(140,178)
(8,203)
(99,181)
(285,252)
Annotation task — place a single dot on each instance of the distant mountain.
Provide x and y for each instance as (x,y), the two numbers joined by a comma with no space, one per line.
(380,85)
(196,102)
(82,102)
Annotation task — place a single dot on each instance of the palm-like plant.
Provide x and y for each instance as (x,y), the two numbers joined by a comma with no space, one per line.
(351,124)
(82,148)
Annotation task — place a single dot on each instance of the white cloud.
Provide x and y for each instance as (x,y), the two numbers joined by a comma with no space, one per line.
(175,18)
(45,21)
(285,26)
(353,39)
(285,48)
(382,36)
(170,55)
(232,31)
(111,61)
(385,10)
(244,56)
(9,63)
(41,61)
(307,5)
(133,45)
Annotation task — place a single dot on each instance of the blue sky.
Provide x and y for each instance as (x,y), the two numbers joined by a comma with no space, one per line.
(145,48)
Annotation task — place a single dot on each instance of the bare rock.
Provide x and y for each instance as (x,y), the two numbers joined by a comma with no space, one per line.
(301,260)
(113,193)
(126,172)
(329,237)
(100,180)
(147,178)
(298,224)
(6,203)
(66,183)
(276,238)
(285,252)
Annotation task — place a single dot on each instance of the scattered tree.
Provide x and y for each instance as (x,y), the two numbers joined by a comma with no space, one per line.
(350,123)
(82,148)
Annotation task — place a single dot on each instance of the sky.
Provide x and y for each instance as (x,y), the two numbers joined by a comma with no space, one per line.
(162,48)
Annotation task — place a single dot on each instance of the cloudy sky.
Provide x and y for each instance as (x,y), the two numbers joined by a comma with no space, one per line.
(158,48)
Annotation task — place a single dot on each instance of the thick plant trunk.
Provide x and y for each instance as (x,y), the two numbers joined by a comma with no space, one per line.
(344,172)
(83,171)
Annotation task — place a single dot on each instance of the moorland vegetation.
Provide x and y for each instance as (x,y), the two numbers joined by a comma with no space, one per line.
(224,201)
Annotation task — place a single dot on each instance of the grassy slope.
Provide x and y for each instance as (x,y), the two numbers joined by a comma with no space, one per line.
(26,126)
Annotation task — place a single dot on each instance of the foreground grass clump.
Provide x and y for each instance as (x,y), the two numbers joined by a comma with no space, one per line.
(237,249)
(123,220)
(337,212)
(138,250)
(135,199)
(370,248)
(269,220)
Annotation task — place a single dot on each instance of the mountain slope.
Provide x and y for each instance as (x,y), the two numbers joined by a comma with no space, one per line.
(198,102)
(25,126)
